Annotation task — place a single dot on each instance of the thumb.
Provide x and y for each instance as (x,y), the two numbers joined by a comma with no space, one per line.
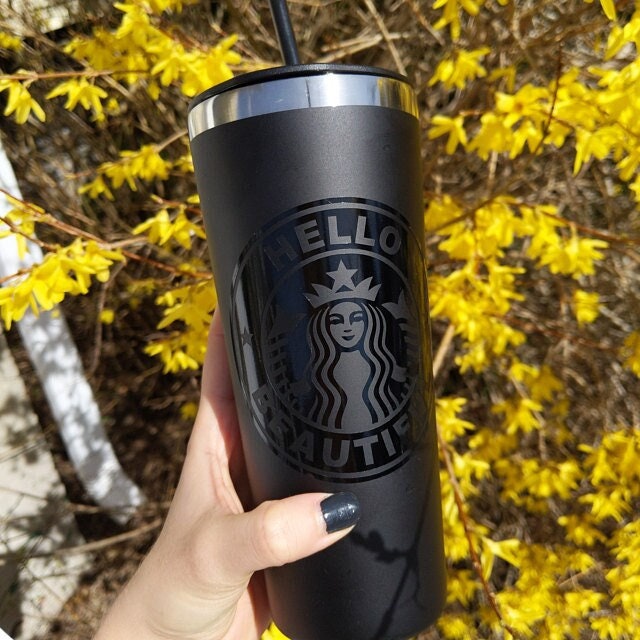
(282,531)
(205,571)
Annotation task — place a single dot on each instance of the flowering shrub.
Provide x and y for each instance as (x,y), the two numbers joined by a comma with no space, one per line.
(532,188)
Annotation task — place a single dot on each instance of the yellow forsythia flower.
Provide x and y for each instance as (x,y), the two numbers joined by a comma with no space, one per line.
(458,626)
(80,91)
(189,410)
(574,257)
(190,306)
(273,633)
(441,211)
(96,187)
(20,102)
(581,530)
(107,316)
(160,229)
(451,13)
(462,67)
(449,424)
(173,356)
(453,127)
(158,6)
(494,136)
(10,42)
(586,306)
(609,8)
(145,163)
(631,352)
(68,270)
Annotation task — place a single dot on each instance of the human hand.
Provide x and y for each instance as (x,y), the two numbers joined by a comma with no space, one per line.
(199,580)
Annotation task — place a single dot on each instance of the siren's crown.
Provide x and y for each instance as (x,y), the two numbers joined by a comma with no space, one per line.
(343,288)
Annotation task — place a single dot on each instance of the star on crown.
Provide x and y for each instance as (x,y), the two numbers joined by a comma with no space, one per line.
(343,288)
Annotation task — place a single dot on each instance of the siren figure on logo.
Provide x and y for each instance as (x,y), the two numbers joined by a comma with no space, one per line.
(355,377)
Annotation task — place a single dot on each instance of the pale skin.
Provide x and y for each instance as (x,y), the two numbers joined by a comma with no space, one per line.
(201,580)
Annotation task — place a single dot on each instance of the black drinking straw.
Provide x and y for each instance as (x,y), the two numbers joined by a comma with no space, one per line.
(286,37)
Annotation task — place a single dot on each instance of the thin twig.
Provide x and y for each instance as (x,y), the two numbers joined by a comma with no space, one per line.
(595,233)
(343,49)
(531,327)
(385,34)
(552,108)
(176,271)
(88,547)
(426,25)
(97,347)
(445,343)
(181,133)
(58,75)
(19,232)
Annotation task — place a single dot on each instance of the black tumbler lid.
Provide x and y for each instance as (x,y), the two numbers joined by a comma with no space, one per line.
(298,87)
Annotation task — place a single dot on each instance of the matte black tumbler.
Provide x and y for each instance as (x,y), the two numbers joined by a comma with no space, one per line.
(310,182)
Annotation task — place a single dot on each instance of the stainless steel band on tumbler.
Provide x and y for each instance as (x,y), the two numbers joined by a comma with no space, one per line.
(301,92)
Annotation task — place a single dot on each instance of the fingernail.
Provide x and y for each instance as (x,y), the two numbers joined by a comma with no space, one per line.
(340,511)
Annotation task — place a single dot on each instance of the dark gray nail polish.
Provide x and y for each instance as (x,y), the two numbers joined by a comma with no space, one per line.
(340,511)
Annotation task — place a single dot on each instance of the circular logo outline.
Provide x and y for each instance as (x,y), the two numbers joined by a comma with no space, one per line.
(403,429)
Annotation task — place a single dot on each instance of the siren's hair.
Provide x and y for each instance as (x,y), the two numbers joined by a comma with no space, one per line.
(329,404)
(330,401)
(381,400)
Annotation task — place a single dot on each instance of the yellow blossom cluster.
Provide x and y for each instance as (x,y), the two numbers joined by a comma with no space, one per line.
(145,163)
(595,109)
(81,91)
(20,223)
(273,633)
(9,42)
(140,51)
(452,11)
(614,474)
(477,297)
(547,598)
(586,306)
(20,102)
(163,227)
(547,603)
(457,70)
(137,52)
(527,450)
(64,271)
(191,307)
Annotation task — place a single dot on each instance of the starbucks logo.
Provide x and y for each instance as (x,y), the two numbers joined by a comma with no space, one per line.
(328,338)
